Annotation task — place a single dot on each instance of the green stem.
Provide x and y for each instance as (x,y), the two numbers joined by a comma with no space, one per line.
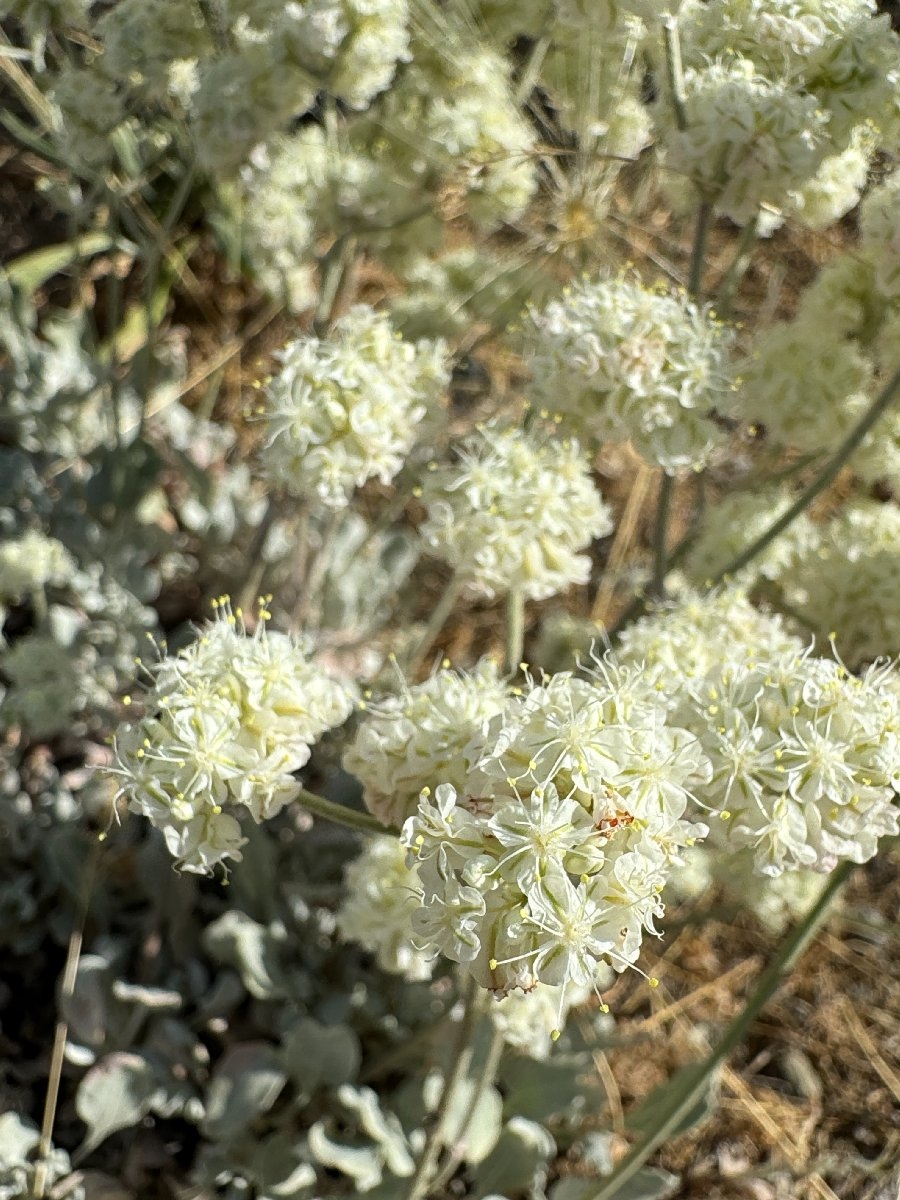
(675,70)
(698,253)
(878,408)
(681,1103)
(436,623)
(515,629)
(336,268)
(461,1058)
(738,268)
(362,822)
(486,1077)
(661,536)
(256,566)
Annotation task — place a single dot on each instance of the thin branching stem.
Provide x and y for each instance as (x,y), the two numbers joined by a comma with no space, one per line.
(698,252)
(515,629)
(878,408)
(731,280)
(436,623)
(661,536)
(681,1102)
(675,70)
(461,1058)
(351,818)
(61,1035)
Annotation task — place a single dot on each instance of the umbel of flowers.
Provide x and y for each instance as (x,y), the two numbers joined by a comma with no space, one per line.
(348,408)
(227,722)
(805,756)
(513,511)
(544,861)
(615,361)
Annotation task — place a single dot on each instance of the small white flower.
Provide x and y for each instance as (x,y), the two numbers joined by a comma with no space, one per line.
(31,562)
(615,361)
(431,731)
(513,512)
(347,409)
(228,721)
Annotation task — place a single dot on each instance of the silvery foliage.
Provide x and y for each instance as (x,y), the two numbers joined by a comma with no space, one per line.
(534,817)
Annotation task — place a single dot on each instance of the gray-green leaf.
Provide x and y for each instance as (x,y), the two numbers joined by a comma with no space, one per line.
(115,1094)
(246,1082)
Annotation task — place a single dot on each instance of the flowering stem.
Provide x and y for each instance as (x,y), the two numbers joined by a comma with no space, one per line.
(675,70)
(436,623)
(879,406)
(515,629)
(362,822)
(661,535)
(680,1103)
(66,991)
(698,253)
(256,565)
(736,271)
(461,1059)
(337,269)
(486,1077)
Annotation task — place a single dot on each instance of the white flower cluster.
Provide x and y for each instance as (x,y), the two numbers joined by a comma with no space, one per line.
(786,102)
(48,686)
(807,386)
(30,562)
(805,757)
(513,513)
(547,865)
(348,408)
(243,74)
(836,186)
(618,361)
(880,223)
(452,116)
(748,141)
(846,583)
(241,99)
(431,731)
(381,891)
(228,721)
(351,46)
(734,522)
(839,52)
(687,638)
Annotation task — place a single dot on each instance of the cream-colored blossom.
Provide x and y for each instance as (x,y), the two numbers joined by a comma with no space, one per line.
(348,408)
(513,512)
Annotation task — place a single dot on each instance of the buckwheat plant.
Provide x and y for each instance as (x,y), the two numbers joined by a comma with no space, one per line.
(513,511)
(737,520)
(349,408)
(546,866)
(431,730)
(805,756)
(845,582)
(228,720)
(615,361)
